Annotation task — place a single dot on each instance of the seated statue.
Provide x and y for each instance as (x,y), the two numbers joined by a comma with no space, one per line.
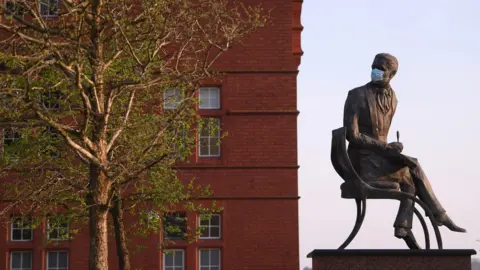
(368,113)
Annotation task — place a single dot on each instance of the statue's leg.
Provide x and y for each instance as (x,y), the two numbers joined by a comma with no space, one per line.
(425,191)
(402,176)
(404,219)
(426,195)
(377,169)
(411,241)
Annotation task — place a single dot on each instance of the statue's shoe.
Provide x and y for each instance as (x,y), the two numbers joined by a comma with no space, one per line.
(446,221)
(401,232)
(407,236)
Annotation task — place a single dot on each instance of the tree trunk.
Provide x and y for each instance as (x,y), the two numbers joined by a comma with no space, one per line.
(98,238)
(120,237)
(99,203)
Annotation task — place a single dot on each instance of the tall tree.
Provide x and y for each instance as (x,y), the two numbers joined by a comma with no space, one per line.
(99,102)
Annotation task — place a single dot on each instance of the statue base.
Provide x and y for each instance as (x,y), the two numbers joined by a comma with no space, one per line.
(372,259)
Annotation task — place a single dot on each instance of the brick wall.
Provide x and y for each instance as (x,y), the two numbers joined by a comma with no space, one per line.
(269,48)
(255,179)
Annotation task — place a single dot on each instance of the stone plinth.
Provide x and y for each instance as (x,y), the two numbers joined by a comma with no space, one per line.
(364,259)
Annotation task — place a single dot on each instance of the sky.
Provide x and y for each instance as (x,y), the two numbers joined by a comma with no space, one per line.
(437,44)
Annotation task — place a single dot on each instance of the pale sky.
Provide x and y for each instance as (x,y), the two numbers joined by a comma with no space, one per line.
(437,43)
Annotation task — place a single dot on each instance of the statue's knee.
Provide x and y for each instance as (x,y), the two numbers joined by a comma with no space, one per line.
(408,180)
(408,188)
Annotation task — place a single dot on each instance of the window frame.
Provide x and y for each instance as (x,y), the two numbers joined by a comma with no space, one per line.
(200,137)
(176,93)
(55,135)
(174,267)
(58,228)
(183,133)
(56,267)
(52,98)
(209,89)
(21,260)
(49,15)
(184,226)
(200,266)
(11,139)
(21,230)
(209,226)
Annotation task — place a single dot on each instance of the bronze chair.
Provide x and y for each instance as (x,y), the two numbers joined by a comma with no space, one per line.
(355,188)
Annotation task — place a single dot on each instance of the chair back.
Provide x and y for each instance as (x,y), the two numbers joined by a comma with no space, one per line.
(341,161)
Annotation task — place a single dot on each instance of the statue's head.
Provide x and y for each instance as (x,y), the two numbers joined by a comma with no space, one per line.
(384,68)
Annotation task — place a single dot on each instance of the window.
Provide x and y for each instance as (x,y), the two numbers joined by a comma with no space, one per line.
(174,226)
(179,142)
(172,99)
(20,260)
(10,135)
(174,259)
(209,138)
(57,260)
(50,98)
(57,230)
(48,8)
(210,228)
(13,8)
(209,98)
(21,229)
(209,259)
(53,137)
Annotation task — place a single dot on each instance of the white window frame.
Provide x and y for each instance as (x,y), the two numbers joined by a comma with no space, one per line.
(21,260)
(21,230)
(11,139)
(167,95)
(202,267)
(58,228)
(48,15)
(174,267)
(51,101)
(183,133)
(53,132)
(207,103)
(58,256)
(209,226)
(210,138)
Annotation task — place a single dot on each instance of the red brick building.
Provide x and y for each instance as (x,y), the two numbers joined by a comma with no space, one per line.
(253,173)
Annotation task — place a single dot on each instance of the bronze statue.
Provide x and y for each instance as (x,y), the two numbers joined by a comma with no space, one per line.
(368,113)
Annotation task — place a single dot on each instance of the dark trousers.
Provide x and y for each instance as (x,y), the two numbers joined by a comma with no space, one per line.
(423,189)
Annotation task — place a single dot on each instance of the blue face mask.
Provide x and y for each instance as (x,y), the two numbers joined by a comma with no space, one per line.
(377,75)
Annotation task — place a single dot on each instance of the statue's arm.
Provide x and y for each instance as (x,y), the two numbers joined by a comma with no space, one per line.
(350,122)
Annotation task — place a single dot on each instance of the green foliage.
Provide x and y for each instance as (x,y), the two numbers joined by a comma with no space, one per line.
(83,98)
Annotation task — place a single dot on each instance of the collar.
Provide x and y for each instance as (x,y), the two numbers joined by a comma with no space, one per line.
(379,89)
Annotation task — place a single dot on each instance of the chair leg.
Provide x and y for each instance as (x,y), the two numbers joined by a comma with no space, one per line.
(361,209)
(424,227)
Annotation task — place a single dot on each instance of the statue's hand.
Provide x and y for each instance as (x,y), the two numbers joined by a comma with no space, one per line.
(396,146)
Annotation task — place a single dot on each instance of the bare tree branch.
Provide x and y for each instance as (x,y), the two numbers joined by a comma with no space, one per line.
(125,121)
